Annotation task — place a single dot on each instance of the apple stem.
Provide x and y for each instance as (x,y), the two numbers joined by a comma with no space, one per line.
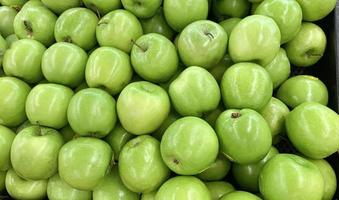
(235,115)
(67,39)
(314,55)
(134,43)
(28,27)
(17,8)
(95,9)
(209,35)
(111,164)
(39,128)
(176,161)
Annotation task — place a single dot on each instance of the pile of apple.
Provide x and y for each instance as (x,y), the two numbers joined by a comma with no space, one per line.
(164,100)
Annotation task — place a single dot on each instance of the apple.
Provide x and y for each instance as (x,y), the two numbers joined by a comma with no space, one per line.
(102,7)
(25,124)
(83,162)
(3,48)
(7,15)
(307,47)
(71,21)
(132,104)
(256,39)
(189,146)
(92,112)
(141,167)
(67,133)
(286,13)
(2,180)
(183,187)
(240,195)
(47,104)
(303,88)
(314,10)
(23,60)
(13,95)
(219,69)
(246,85)
(202,43)
(279,68)
(13,3)
(212,116)
(118,29)
(57,189)
(231,8)
(157,24)
(142,9)
(6,139)
(19,188)
(108,68)
(56,62)
(147,196)
(229,24)
(288,176)
(217,170)
(82,86)
(172,117)
(244,135)
(35,21)
(219,189)
(313,130)
(60,6)
(254,7)
(202,93)
(10,40)
(180,13)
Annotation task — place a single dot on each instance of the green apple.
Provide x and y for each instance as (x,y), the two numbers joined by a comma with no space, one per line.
(13,95)
(202,93)
(19,188)
(6,140)
(231,8)
(71,21)
(172,117)
(217,170)
(229,24)
(254,7)
(219,189)
(7,15)
(13,3)
(202,43)
(47,104)
(308,46)
(302,88)
(60,6)
(111,187)
(108,68)
(256,38)
(246,85)
(142,9)
(219,69)
(102,6)
(314,10)
(67,133)
(157,24)
(25,124)
(56,62)
(92,112)
(189,146)
(141,167)
(244,135)
(10,40)
(2,180)
(142,107)
(247,176)
(279,68)
(212,116)
(83,162)
(183,187)
(3,48)
(286,13)
(147,196)
(35,21)
(57,189)
(23,60)
(82,86)
(313,130)
(180,13)
(240,195)
(119,29)
(288,176)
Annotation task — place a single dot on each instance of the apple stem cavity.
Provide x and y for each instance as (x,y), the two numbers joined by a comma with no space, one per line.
(67,39)
(209,35)
(142,49)
(28,27)
(235,115)
(176,161)
(15,7)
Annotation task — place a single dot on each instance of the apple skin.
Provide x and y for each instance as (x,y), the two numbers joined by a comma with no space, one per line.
(288,176)
(147,196)
(92,112)
(67,133)
(202,93)
(118,29)
(2,180)
(133,100)
(314,10)
(189,146)
(35,21)
(19,188)
(231,8)
(308,46)
(83,162)
(7,15)
(229,24)
(217,170)
(240,195)
(286,13)
(303,88)
(47,104)
(183,187)
(212,116)
(142,9)
(219,189)
(247,176)
(244,135)
(313,130)
(108,68)
(219,69)
(59,7)
(246,85)
(102,6)
(141,167)
(57,189)
(172,117)
(202,43)
(71,21)
(3,48)
(13,3)
(10,40)
(13,95)
(23,60)
(6,140)
(256,38)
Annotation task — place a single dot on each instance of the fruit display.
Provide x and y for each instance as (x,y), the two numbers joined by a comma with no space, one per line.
(168,100)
